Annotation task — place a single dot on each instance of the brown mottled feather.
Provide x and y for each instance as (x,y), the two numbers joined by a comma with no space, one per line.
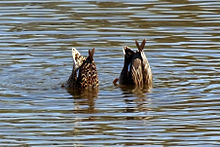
(87,74)
(88,77)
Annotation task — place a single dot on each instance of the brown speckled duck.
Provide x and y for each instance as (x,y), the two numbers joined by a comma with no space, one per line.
(84,74)
(136,71)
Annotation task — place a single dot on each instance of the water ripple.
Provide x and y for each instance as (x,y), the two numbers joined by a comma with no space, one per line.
(35,57)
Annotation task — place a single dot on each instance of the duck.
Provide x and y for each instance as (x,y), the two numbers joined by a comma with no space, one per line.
(84,73)
(136,70)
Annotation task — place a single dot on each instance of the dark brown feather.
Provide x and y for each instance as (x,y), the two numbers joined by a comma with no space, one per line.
(143,44)
(88,77)
(137,44)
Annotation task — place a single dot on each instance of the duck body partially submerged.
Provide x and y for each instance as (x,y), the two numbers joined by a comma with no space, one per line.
(136,70)
(84,74)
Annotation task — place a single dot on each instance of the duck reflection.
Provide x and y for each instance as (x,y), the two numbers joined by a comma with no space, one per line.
(136,101)
(83,107)
(129,89)
(84,101)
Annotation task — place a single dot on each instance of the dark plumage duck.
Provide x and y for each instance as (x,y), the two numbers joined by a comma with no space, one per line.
(136,71)
(84,74)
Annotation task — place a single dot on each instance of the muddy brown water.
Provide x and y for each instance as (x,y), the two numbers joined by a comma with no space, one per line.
(183,48)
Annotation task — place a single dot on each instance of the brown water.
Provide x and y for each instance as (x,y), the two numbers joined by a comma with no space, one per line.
(183,48)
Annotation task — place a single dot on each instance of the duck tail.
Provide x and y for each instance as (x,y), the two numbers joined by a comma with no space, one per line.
(140,47)
(91,53)
(143,44)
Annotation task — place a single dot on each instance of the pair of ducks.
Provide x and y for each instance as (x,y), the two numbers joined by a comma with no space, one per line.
(136,71)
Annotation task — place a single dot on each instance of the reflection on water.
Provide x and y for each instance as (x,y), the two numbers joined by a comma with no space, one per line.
(85,98)
(35,58)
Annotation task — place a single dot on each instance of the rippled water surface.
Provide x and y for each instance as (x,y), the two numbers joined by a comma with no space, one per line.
(183,48)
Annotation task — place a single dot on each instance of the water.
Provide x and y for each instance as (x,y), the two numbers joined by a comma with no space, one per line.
(35,58)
